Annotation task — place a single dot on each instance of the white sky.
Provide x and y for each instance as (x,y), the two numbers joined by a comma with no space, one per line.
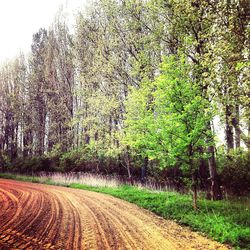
(20,19)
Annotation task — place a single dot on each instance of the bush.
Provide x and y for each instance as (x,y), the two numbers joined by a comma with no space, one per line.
(85,160)
(5,162)
(34,164)
(235,171)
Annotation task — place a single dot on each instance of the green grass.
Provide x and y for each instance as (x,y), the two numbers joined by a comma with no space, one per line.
(34,179)
(224,221)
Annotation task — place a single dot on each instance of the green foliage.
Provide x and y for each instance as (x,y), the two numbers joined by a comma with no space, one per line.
(70,160)
(34,164)
(234,168)
(5,161)
(166,119)
(91,158)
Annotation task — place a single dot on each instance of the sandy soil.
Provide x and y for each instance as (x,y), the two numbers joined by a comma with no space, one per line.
(35,216)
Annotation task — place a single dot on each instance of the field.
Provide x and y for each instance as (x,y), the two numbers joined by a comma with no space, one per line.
(35,216)
(225,221)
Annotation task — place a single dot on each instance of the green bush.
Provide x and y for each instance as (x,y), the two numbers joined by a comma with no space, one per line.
(235,171)
(25,165)
(34,164)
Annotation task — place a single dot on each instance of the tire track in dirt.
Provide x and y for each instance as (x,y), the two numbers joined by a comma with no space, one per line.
(35,216)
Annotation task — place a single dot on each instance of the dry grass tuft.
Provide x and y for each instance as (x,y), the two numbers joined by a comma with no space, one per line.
(93,180)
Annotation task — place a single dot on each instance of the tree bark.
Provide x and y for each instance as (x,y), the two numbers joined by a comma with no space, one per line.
(236,124)
(144,170)
(229,128)
(215,189)
(127,159)
(194,189)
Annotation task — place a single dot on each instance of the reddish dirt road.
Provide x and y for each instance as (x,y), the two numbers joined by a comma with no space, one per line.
(35,216)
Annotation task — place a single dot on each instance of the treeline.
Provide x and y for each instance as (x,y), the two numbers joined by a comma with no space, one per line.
(136,86)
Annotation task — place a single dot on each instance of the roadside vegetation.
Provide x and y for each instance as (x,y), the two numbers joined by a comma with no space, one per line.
(226,221)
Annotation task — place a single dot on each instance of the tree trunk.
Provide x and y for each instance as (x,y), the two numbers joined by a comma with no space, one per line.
(144,170)
(229,128)
(127,159)
(248,146)
(2,162)
(86,136)
(236,124)
(215,190)
(194,189)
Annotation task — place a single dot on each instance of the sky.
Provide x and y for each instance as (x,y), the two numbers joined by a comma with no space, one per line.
(20,19)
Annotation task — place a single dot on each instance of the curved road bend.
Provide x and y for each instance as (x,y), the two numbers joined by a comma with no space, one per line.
(36,216)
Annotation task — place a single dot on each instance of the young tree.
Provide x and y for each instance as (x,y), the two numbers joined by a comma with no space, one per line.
(167,119)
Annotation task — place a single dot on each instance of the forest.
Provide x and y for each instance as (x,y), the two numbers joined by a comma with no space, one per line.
(150,90)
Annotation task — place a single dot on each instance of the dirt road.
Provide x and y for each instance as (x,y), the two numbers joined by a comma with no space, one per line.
(35,216)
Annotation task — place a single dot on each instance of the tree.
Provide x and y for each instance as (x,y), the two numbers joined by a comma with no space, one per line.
(59,74)
(167,119)
(37,90)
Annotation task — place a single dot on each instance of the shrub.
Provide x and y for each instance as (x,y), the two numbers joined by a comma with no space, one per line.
(235,171)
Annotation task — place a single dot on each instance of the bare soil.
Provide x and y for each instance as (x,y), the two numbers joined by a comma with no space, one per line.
(35,216)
